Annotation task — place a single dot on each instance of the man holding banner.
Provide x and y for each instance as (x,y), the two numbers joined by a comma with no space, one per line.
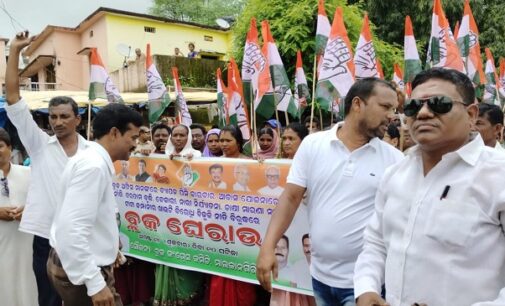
(340,168)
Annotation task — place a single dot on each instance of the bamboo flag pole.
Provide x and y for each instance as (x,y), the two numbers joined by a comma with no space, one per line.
(253,122)
(89,120)
(314,75)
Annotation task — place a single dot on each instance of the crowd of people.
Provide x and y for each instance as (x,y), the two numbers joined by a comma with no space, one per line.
(403,197)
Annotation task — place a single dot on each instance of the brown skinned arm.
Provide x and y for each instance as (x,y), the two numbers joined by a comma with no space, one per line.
(11,74)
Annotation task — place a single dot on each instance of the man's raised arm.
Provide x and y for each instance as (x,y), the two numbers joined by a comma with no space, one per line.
(11,74)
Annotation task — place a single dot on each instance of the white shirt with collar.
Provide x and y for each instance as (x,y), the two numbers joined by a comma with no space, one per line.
(341,189)
(442,251)
(48,159)
(84,232)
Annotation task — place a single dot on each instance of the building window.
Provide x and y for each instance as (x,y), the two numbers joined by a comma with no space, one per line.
(208,38)
(90,33)
(150,29)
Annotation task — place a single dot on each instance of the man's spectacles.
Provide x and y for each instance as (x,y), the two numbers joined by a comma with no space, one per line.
(5,187)
(437,104)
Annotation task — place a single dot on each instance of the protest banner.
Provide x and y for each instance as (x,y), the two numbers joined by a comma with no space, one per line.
(209,215)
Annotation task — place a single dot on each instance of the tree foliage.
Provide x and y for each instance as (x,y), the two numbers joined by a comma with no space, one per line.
(199,11)
(293,26)
(389,17)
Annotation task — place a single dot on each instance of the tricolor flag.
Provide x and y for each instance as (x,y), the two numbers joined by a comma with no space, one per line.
(379,69)
(252,63)
(492,84)
(236,104)
(156,90)
(442,50)
(301,87)
(100,84)
(337,68)
(221,100)
(398,77)
(502,77)
(183,115)
(412,61)
(468,43)
(322,33)
(456,31)
(365,60)
(280,81)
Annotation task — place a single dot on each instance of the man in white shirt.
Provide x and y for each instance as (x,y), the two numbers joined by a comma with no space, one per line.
(242,176)
(49,155)
(490,125)
(216,175)
(437,234)
(272,189)
(84,233)
(340,168)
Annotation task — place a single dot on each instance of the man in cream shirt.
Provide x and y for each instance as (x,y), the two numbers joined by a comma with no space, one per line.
(437,234)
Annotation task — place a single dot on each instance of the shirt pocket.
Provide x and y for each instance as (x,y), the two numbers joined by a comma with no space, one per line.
(452,222)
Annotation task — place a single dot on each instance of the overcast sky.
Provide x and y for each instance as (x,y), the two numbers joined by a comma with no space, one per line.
(35,15)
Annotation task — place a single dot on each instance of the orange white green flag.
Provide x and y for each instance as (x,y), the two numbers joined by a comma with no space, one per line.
(302,92)
(442,49)
(237,108)
(502,77)
(100,83)
(183,115)
(398,76)
(284,99)
(252,62)
(468,43)
(492,85)
(412,61)
(221,100)
(158,98)
(337,69)
(365,59)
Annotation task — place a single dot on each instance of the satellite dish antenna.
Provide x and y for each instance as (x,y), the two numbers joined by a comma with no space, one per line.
(225,22)
(125,51)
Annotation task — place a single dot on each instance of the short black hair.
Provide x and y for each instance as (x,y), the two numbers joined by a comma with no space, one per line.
(236,133)
(162,126)
(62,100)
(286,238)
(115,115)
(199,126)
(363,89)
(142,161)
(314,119)
(305,236)
(393,131)
(463,84)
(493,112)
(216,166)
(4,136)
(301,130)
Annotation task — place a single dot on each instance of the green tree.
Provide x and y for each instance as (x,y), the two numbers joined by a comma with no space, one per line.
(293,25)
(199,11)
(389,17)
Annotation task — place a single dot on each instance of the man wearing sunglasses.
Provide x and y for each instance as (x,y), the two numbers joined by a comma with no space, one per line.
(437,235)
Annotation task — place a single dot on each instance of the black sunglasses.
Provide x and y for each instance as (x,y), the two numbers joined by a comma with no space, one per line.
(437,104)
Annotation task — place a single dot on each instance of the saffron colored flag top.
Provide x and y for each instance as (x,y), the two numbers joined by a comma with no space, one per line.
(442,50)
(337,69)
(502,77)
(301,87)
(365,59)
(252,63)
(468,43)
(100,83)
(237,108)
(412,61)
(280,82)
(156,90)
(223,119)
(492,84)
(183,117)
(398,77)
